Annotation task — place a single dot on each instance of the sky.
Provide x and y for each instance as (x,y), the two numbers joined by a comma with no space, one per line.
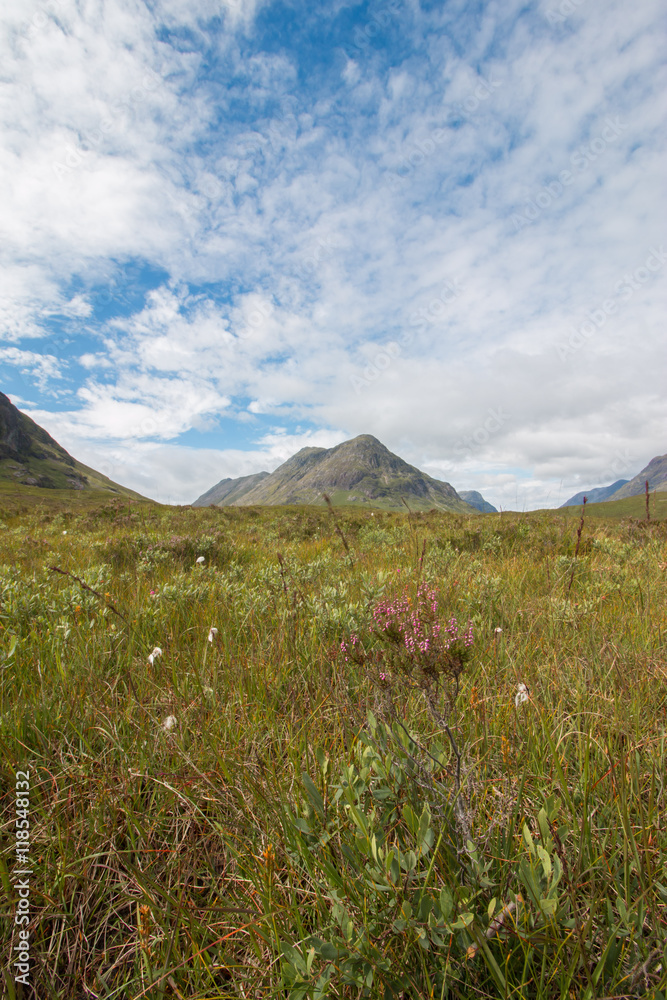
(231,229)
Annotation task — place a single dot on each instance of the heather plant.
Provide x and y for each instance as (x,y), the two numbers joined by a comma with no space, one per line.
(408,646)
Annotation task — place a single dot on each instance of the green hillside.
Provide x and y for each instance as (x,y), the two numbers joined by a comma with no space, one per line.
(31,459)
(633,506)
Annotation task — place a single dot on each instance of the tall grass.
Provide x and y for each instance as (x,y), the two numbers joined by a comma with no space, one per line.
(302,826)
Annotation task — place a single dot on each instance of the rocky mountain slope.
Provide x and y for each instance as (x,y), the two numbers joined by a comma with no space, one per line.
(228,491)
(596,495)
(29,456)
(655,472)
(477,501)
(360,471)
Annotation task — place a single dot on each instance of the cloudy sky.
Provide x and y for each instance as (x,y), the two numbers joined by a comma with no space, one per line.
(233,228)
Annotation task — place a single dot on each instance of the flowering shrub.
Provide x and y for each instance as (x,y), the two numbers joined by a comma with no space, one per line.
(413,641)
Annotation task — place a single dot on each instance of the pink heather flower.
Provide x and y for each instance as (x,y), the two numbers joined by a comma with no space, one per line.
(152,593)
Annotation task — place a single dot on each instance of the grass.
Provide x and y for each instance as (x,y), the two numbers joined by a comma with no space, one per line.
(630,507)
(301,827)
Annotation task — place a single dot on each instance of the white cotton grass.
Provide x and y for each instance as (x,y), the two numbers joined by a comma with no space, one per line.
(212,633)
(200,560)
(155,655)
(497,631)
(521,695)
(169,723)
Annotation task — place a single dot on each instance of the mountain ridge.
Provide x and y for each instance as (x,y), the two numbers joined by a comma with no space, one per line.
(226,488)
(29,456)
(656,474)
(475,499)
(359,471)
(596,495)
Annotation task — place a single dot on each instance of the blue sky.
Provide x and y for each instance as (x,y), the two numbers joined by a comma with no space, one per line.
(233,228)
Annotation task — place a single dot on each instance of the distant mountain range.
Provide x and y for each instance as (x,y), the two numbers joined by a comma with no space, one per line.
(655,472)
(229,491)
(476,500)
(597,495)
(29,456)
(360,471)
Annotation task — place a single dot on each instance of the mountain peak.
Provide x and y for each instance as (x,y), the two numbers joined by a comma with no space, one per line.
(365,439)
(359,471)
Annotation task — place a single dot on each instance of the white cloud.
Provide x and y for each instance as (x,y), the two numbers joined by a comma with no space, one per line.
(42,368)
(346,222)
(173,473)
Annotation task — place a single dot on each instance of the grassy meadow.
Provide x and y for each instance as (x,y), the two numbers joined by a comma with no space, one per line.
(309,804)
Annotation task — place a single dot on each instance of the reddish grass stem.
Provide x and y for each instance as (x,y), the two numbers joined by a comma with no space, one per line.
(576,550)
(339,532)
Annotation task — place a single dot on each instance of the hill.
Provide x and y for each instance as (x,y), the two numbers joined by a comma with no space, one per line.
(477,501)
(227,491)
(30,457)
(632,508)
(596,495)
(360,471)
(656,474)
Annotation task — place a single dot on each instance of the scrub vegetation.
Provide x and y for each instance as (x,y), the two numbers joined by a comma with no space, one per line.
(372,754)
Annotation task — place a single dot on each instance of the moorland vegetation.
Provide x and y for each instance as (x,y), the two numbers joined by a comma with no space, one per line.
(293,752)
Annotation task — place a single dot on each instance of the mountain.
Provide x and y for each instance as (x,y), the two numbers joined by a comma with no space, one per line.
(29,456)
(229,491)
(477,501)
(597,495)
(655,472)
(360,471)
